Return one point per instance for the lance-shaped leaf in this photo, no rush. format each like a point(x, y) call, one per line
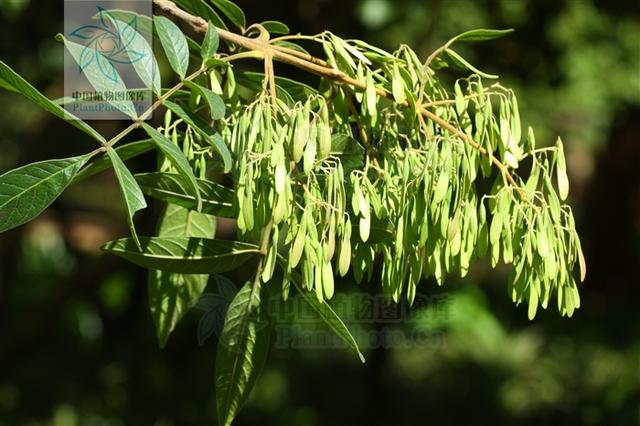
point(231, 11)
point(133, 197)
point(177, 159)
point(324, 311)
point(174, 44)
point(275, 27)
point(173, 188)
point(242, 350)
point(26, 191)
point(214, 102)
point(143, 23)
point(201, 8)
point(101, 74)
point(184, 255)
point(138, 50)
point(125, 152)
point(482, 34)
point(210, 43)
point(10, 80)
point(457, 61)
point(172, 295)
point(205, 131)
point(330, 318)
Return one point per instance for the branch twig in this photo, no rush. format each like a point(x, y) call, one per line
point(319, 67)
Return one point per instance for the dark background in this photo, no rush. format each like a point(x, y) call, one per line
point(77, 343)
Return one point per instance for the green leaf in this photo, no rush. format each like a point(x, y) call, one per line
point(184, 255)
point(26, 191)
point(231, 11)
point(457, 61)
point(177, 159)
point(172, 188)
point(172, 295)
point(144, 24)
point(138, 50)
point(210, 43)
point(482, 35)
point(174, 44)
point(351, 153)
point(202, 9)
point(133, 197)
point(275, 27)
point(101, 74)
point(125, 152)
point(331, 319)
point(215, 102)
point(206, 131)
point(10, 80)
point(242, 350)
point(324, 311)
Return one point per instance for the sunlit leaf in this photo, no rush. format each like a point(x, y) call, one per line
point(184, 255)
point(172, 295)
point(242, 350)
point(214, 102)
point(457, 61)
point(327, 315)
point(10, 80)
point(133, 197)
point(173, 188)
point(210, 43)
point(177, 159)
point(139, 51)
point(201, 8)
point(125, 152)
point(275, 27)
point(26, 191)
point(231, 11)
point(482, 35)
point(174, 44)
point(210, 135)
point(101, 74)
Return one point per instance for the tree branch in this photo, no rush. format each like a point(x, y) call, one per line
point(320, 68)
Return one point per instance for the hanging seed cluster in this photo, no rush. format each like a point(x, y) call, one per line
point(351, 178)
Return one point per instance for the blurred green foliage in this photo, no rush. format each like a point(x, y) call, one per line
point(77, 344)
